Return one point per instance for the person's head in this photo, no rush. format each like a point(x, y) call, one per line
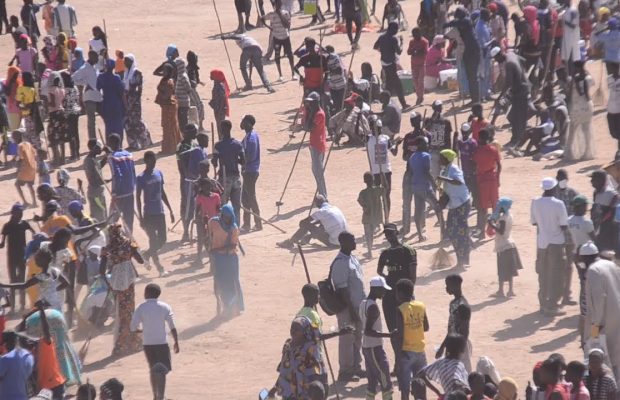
point(112, 389)
point(484, 136)
point(128, 61)
point(330, 49)
point(319, 200)
point(94, 252)
point(114, 141)
point(476, 110)
point(550, 372)
point(579, 205)
point(416, 33)
point(596, 359)
point(415, 119)
point(465, 130)
point(421, 143)
point(378, 287)
point(458, 394)
point(316, 390)
point(150, 159)
point(227, 215)
point(366, 70)
point(93, 57)
point(45, 193)
point(203, 168)
point(385, 96)
point(507, 389)
point(404, 290)
point(86, 391)
point(446, 156)
point(492, 8)
point(313, 101)
point(485, 14)
point(191, 130)
point(598, 179)
point(390, 231)
point(17, 136)
point(310, 293)
point(95, 147)
point(76, 209)
point(392, 28)
point(27, 79)
point(247, 122)
point(17, 212)
point(9, 340)
point(63, 177)
point(204, 186)
point(61, 39)
point(225, 128)
point(347, 242)
point(453, 284)
point(97, 32)
point(561, 175)
point(14, 21)
point(476, 384)
point(202, 139)
point(437, 107)
point(460, 12)
point(22, 41)
point(67, 81)
point(455, 346)
point(43, 257)
point(61, 238)
point(588, 254)
point(172, 52)
point(310, 44)
point(152, 291)
point(369, 179)
point(575, 371)
point(299, 328)
point(51, 207)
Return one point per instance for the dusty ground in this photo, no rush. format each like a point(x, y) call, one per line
point(235, 359)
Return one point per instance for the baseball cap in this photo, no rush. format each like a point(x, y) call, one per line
point(414, 115)
point(549, 183)
point(379, 281)
point(313, 96)
point(588, 249)
point(495, 51)
point(579, 200)
point(390, 227)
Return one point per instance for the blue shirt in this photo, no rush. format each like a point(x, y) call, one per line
point(196, 155)
point(458, 194)
point(611, 43)
point(251, 147)
point(420, 167)
point(483, 36)
point(227, 152)
point(123, 173)
point(152, 183)
point(15, 369)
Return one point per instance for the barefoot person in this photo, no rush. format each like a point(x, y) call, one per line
point(153, 315)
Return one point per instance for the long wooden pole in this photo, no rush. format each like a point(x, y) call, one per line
point(232, 71)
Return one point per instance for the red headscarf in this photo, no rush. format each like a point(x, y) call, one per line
point(530, 13)
point(72, 44)
point(11, 72)
point(218, 76)
point(492, 7)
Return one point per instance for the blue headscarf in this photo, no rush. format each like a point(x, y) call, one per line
point(170, 51)
point(227, 209)
point(503, 204)
point(35, 244)
point(612, 24)
point(78, 59)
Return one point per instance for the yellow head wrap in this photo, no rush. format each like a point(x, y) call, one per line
point(603, 11)
point(448, 154)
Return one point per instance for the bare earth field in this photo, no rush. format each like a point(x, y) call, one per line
point(235, 359)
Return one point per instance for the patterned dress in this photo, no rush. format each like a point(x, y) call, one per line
point(138, 135)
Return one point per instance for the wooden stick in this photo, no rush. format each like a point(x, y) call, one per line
point(263, 219)
point(232, 71)
point(279, 202)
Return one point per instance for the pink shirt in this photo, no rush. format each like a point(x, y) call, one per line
point(59, 96)
point(25, 59)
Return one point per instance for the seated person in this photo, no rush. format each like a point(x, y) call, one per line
point(435, 62)
point(350, 122)
point(534, 136)
point(324, 225)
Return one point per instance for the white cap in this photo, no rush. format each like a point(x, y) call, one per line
point(465, 127)
point(588, 249)
point(379, 123)
point(549, 183)
point(379, 281)
point(495, 51)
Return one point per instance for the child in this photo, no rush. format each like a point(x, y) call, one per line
point(25, 55)
point(208, 205)
point(466, 147)
point(412, 324)
point(377, 366)
point(15, 230)
point(477, 385)
point(43, 168)
point(56, 126)
point(575, 371)
point(476, 120)
point(370, 199)
point(26, 168)
point(508, 260)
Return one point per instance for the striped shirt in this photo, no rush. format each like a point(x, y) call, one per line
point(278, 27)
point(336, 78)
point(449, 372)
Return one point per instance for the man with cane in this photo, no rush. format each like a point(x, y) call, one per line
point(228, 154)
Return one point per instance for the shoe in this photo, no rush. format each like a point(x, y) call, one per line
point(163, 273)
point(554, 313)
point(347, 377)
point(271, 90)
point(280, 79)
point(287, 244)
point(258, 227)
point(361, 373)
point(247, 87)
point(569, 302)
point(245, 228)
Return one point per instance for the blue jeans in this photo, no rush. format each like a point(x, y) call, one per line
point(461, 77)
point(409, 365)
point(377, 369)
point(317, 170)
point(484, 74)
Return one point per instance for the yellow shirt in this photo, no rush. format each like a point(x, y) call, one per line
point(312, 315)
point(26, 96)
point(413, 330)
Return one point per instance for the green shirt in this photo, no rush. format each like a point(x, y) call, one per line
point(371, 202)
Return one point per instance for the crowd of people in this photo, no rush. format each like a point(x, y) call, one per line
point(540, 74)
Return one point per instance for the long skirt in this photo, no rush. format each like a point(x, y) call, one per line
point(171, 135)
point(458, 232)
point(138, 135)
point(125, 341)
point(508, 264)
point(227, 286)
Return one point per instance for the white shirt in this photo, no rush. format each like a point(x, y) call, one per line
point(64, 19)
point(332, 219)
point(87, 76)
point(370, 341)
point(244, 41)
point(153, 316)
point(3, 294)
point(613, 104)
point(580, 229)
point(278, 29)
point(549, 215)
point(378, 148)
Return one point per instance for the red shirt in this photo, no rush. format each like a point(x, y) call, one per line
point(318, 134)
point(210, 205)
point(486, 159)
point(417, 50)
point(476, 126)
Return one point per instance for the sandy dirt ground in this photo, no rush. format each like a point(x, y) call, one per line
point(235, 359)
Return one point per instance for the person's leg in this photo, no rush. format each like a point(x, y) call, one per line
point(125, 205)
point(317, 170)
point(394, 85)
point(303, 230)
point(20, 270)
point(372, 372)
point(91, 110)
point(277, 48)
point(58, 393)
point(160, 240)
point(434, 203)
point(319, 233)
point(20, 192)
point(345, 347)
point(557, 276)
point(288, 51)
point(419, 203)
point(405, 366)
point(245, 201)
point(566, 299)
point(358, 27)
point(407, 196)
point(471, 70)
point(540, 259)
point(253, 200)
point(417, 72)
point(349, 24)
point(337, 98)
point(368, 236)
point(257, 60)
point(243, 66)
point(235, 196)
point(586, 128)
point(337, 9)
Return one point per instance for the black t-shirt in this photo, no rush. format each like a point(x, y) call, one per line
point(349, 7)
point(15, 233)
point(439, 129)
point(401, 263)
point(388, 46)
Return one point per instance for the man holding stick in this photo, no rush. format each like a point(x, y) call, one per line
point(315, 123)
point(228, 153)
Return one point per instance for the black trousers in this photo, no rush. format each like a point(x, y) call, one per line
point(182, 114)
point(356, 18)
point(318, 232)
point(155, 227)
point(3, 17)
point(392, 83)
point(390, 312)
point(248, 198)
point(471, 70)
point(387, 185)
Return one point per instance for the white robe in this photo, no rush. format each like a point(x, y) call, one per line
point(570, 39)
point(603, 306)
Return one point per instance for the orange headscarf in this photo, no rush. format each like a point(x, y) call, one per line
point(11, 72)
point(218, 76)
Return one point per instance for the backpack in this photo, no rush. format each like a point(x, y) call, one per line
point(329, 300)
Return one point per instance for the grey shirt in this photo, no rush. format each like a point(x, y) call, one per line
point(92, 169)
point(347, 273)
point(391, 117)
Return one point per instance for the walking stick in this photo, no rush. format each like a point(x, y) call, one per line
point(232, 71)
point(279, 202)
point(456, 130)
point(262, 219)
point(329, 363)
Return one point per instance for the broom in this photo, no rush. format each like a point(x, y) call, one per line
point(441, 260)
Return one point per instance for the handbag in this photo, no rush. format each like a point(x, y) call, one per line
point(329, 300)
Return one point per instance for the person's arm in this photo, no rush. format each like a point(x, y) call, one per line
point(384, 17)
point(136, 320)
point(78, 230)
point(424, 376)
point(372, 314)
point(139, 201)
point(136, 255)
point(45, 326)
point(381, 264)
point(23, 285)
point(4, 239)
point(499, 170)
point(13, 60)
point(164, 198)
